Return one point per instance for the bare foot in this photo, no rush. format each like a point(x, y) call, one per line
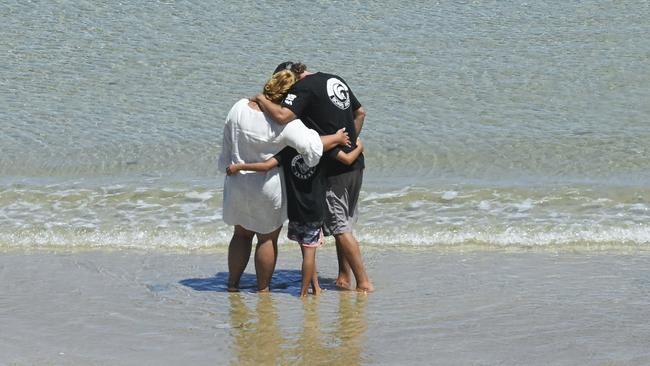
point(365, 287)
point(343, 283)
point(317, 290)
point(233, 287)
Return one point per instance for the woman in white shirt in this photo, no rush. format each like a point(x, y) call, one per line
point(254, 202)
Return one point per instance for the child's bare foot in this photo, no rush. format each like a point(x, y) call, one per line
point(317, 290)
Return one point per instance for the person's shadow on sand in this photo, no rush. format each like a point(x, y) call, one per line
point(283, 281)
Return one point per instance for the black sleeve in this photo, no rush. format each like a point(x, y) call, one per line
point(354, 102)
point(281, 156)
point(297, 100)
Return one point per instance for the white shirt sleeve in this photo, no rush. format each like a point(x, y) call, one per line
point(306, 141)
point(225, 157)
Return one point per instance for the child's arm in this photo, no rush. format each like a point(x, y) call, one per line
point(339, 138)
point(349, 158)
point(264, 166)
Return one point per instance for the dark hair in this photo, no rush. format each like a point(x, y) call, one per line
point(295, 67)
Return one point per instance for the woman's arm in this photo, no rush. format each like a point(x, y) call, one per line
point(349, 158)
point(339, 138)
point(264, 166)
point(225, 156)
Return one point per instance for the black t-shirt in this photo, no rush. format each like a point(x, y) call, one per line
point(305, 187)
point(325, 103)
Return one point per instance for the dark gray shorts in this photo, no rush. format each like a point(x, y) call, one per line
point(342, 196)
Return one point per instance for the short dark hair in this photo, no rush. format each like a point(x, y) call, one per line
point(295, 67)
point(284, 66)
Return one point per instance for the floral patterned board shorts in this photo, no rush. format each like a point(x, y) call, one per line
point(307, 234)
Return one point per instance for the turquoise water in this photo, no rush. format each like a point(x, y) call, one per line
point(490, 124)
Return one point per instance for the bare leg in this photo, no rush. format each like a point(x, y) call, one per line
point(315, 286)
point(344, 279)
point(352, 253)
point(308, 270)
point(266, 255)
point(239, 251)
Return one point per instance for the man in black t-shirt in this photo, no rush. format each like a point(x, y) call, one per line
point(325, 103)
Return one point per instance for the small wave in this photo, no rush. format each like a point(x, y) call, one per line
point(199, 196)
point(113, 240)
point(511, 238)
point(189, 217)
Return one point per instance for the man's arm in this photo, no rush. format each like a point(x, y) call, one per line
point(349, 158)
point(264, 166)
point(280, 114)
point(359, 117)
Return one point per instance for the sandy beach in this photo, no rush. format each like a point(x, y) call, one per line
point(430, 307)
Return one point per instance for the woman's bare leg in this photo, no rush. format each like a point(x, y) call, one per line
point(266, 255)
point(239, 252)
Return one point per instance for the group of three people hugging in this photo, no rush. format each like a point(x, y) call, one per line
point(293, 152)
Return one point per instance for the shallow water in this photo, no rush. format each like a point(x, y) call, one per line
point(443, 308)
point(490, 124)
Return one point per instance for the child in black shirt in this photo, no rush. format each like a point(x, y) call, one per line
point(306, 206)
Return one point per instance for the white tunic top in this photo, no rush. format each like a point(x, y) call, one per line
point(256, 200)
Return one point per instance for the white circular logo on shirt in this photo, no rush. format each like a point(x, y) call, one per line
point(339, 93)
point(300, 169)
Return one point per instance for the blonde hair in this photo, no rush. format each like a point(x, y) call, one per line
point(277, 87)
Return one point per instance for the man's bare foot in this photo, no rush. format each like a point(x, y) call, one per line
point(343, 286)
point(365, 287)
point(343, 282)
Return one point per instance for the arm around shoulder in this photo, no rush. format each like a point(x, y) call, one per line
point(280, 114)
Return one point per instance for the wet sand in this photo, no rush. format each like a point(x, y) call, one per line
point(430, 307)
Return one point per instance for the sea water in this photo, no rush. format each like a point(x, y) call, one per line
point(491, 124)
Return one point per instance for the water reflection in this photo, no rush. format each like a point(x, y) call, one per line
point(351, 328)
point(257, 337)
point(264, 336)
point(310, 346)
